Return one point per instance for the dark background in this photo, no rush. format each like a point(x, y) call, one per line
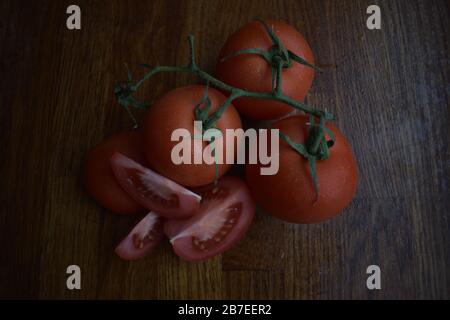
point(389, 89)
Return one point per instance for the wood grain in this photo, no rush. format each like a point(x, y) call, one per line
point(389, 88)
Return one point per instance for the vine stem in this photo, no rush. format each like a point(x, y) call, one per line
point(317, 138)
point(276, 95)
point(279, 86)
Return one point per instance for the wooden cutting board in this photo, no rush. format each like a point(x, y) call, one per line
point(389, 89)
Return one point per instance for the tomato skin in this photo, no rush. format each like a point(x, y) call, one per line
point(175, 110)
point(173, 226)
point(252, 72)
point(289, 194)
point(99, 179)
point(227, 207)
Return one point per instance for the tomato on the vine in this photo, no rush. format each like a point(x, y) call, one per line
point(225, 214)
point(250, 71)
point(99, 179)
point(176, 110)
point(290, 194)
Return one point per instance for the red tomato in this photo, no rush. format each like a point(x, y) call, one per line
point(142, 239)
point(225, 214)
point(290, 194)
point(153, 191)
point(98, 176)
point(252, 72)
point(175, 110)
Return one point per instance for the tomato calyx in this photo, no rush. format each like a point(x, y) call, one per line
point(279, 54)
point(202, 111)
point(278, 57)
point(316, 146)
point(276, 54)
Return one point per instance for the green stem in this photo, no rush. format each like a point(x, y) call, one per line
point(211, 122)
point(192, 63)
point(316, 137)
point(194, 69)
point(279, 85)
point(158, 69)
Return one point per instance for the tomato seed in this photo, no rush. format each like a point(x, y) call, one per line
point(233, 210)
point(136, 240)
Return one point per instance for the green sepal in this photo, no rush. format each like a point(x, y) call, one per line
point(276, 41)
point(301, 149)
point(302, 61)
point(201, 114)
point(264, 54)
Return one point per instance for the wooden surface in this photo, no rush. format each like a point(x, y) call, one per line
point(388, 87)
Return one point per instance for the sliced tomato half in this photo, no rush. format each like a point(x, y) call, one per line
point(145, 236)
point(153, 191)
point(225, 214)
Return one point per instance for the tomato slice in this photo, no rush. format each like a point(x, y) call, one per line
point(225, 214)
point(141, 240)
point(174, 226)
point(153, 191)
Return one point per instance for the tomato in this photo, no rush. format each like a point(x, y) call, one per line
point(142, 239)
point(290, 194)
point(254, 73)
point(225, 214)
point(175, 110)
point(153, 191)
point(98, 176)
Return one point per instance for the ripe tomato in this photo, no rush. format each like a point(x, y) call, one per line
point(252, 72)
point(225, 214)
point(142, 239)
point(98, 176)
point(153, 191)
point(175, 110)
point(290, 194)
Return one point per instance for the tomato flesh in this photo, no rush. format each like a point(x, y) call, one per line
point(153, 191)
point(224, 216)
point(142, 239)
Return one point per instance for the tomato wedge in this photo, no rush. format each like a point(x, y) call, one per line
point(153, 191)
point(225, 214)
point(145, 236)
